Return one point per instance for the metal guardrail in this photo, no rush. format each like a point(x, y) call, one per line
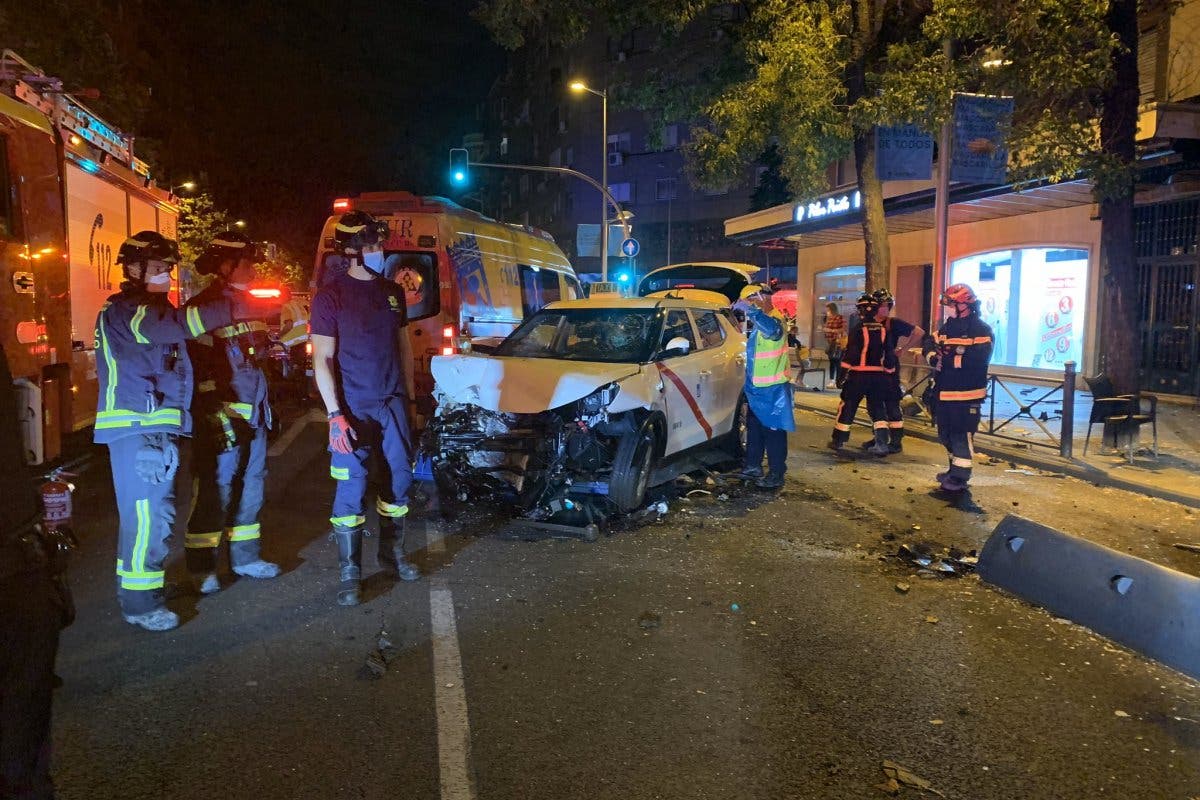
point(1063, 441)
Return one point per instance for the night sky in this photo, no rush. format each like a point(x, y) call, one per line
point(279, 107)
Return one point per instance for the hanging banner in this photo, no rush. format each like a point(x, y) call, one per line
point(903, 153)
point(980, 149)
point(587, 240)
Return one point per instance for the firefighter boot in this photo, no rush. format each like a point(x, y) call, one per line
point(349, 545)
point(896, 440)
point(880, 448)
point(839, 439)
point(391, 549)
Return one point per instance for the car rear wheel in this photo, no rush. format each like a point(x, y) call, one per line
point(632, 467)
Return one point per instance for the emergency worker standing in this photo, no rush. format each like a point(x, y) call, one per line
point(896, 332)
point(362, 362)
point(866, 367)
point(768, 389)
point(960, 353)
point(232, 415)
point(145, 379)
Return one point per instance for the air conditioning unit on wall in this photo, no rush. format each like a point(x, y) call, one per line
point(616, 159)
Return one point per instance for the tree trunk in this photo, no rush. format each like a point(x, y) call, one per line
point(1120, 339)
point(866, 19)
point(874, 223)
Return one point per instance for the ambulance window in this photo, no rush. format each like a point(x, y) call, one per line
point(6, 226)
point(417, 274)
point(333, 265)
point(574, 290)
point(538, 288)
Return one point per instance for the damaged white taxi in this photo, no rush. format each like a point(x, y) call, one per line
point(584, 400)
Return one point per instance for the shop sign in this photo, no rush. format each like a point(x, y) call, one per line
point(828, 206)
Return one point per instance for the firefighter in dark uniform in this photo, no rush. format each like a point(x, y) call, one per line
point(866, 368)
point(362, 363)
point(33, 608)
point(896, 332)
point(960, 353)
point(145, 379)
point(232, 416)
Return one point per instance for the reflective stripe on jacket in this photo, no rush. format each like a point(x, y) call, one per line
point(867, 351)
point(768, 361)
point(144, 374)
point(229, 382)
point(964, 349)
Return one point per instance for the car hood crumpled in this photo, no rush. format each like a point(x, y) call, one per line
point(521, 385)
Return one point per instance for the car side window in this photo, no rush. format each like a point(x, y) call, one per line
point(678, 324)
point(709, 327)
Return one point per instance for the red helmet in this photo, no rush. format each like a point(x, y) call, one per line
point(959, 293)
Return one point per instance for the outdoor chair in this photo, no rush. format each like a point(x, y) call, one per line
point(816, 362)
point(1120, 413)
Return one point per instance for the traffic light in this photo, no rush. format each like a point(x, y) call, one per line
point(459, 166)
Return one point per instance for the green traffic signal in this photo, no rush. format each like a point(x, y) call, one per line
point(459, 166)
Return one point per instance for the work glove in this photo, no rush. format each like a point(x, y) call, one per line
point(341, 435)
point(157, 460)
point(841, 378)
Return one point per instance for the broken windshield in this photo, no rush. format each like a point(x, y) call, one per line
point(608, 335)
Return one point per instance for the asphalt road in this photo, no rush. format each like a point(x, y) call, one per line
point(754, 647)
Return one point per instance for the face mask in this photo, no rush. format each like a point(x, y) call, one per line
point(159, 282)
point(373, 262)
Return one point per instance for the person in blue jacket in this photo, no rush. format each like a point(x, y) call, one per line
point(232, 416)
point(768, 390)
point(145, 383)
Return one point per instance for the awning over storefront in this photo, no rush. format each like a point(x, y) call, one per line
point(839, 215)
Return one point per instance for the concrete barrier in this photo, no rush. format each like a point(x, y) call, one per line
point(1149, 608)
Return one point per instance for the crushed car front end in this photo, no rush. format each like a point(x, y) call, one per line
point(534, 464)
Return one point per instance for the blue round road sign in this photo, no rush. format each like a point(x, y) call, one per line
point(630, 247)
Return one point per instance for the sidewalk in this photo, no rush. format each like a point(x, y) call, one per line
point(1174, 475)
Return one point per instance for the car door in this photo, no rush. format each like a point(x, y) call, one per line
point(721, 371)
point(684, 387)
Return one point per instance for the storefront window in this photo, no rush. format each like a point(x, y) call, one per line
point(842, 286)
point(1034, 298)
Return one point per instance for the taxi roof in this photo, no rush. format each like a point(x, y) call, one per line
point(636, 302)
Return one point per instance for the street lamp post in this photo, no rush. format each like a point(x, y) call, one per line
point(580, 86)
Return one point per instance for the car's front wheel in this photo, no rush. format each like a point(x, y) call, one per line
point(632, 467)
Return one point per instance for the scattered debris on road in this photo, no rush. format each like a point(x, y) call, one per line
point(944, 561)
point(1191, 548)
point(648, 620)
point(903, 587)
point(898, 776)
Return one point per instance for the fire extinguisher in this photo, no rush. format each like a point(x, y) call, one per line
point(56, 501)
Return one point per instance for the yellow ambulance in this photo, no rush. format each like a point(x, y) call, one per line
point(468, 279)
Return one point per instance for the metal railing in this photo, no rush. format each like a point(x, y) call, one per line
point(1052, 394)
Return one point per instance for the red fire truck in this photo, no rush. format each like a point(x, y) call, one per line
point(71, 190)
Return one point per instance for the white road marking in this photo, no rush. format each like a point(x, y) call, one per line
point(450, 697)
point(284, 442)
